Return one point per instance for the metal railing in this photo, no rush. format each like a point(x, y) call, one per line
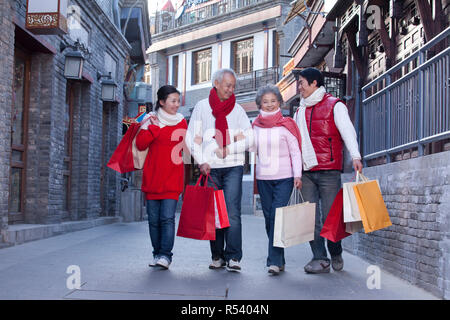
point(411, 111)
point(249, 82)
point(165, 21)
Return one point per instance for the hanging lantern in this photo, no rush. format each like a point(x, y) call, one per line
point(47, 16)
point(73, 67)
point(109, 88)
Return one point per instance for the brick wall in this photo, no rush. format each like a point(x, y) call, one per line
point(417, 245)
point(47, 117)
point(6, 61)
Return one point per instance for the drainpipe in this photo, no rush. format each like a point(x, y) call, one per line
point(116, 13)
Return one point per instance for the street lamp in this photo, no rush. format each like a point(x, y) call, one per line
point(73, 68)
point(141, 91)
point(109, 87)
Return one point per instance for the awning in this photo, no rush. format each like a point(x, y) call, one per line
point(297, 8)
point(31, 41)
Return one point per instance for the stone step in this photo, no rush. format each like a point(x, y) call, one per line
point(21, 233)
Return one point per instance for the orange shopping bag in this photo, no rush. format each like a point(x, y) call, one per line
point(373, 211)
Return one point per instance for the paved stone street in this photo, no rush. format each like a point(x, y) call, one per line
point(113, 260)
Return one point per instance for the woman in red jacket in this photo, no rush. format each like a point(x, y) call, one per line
point(163, 175)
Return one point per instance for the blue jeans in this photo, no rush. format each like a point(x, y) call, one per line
point(274, 194)
point(322, 186)
point(228, 243)
point(161, 225)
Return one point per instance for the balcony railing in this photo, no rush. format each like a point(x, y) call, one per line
point(413, 110)
point(249, 82)
point(165, 21)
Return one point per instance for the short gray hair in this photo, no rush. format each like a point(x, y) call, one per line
point(218, 75)
point(270, 88)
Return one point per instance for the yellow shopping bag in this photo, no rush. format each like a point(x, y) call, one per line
point(373, 211)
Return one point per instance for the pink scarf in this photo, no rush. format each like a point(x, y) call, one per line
point(277, 120)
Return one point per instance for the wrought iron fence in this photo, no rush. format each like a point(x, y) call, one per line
point(248, 82)
point(413, 110)
point(165, 21)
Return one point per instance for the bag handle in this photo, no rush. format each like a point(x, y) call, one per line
point(361, 177)
point(206, 181)
point(293, 193)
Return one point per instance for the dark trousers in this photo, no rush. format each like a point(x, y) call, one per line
point(321, 187)
point(161, 225)
point(274, 194)
point(228, 243)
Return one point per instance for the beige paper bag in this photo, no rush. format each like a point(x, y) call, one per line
point(294, 224)
point(351, 209)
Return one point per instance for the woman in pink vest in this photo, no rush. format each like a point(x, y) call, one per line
point(278, 165)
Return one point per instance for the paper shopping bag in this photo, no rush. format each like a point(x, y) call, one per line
point(122, 158)
point(294, 224)
point(374, 214)
point(138, 155)
point(197, 219)
point(220, 210)
point(352, 227)
point(351, 209)
point(127, 157)
point(334, 227)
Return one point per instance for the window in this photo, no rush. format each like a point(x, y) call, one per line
point(175, 71)
point(243, 56)
point(202, 65)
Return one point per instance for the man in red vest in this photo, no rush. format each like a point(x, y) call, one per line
point(325, 127)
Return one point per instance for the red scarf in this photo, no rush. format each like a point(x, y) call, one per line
point(277, 120)
point(220, 109)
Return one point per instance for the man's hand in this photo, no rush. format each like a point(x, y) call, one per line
point(222, 152)
point(240, 136)
point(298, 183)
point(198, 140)
point(357, 165)
point(205, 169)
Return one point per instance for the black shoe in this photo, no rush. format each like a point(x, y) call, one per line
point(337, 263)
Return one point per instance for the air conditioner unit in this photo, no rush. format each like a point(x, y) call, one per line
point(372, 55)
point(403, 31)
point(380, 48)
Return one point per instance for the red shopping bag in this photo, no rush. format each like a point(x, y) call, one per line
point(197, 218)
point(334, 226)
point(220, 210)
point(122, 158)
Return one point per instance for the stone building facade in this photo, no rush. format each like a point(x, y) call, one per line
point(393, 86)
point(246, 36)
point(57, 134)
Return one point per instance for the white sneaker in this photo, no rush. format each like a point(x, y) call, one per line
point(233, 265)
point(153, 262)
point(217, 264)
point(163, 262)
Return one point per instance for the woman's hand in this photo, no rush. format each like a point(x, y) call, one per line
point(298, 183)
point(154, 120)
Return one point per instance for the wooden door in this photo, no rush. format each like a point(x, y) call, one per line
point(19, 134)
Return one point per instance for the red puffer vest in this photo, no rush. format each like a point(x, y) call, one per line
point(325, 136)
